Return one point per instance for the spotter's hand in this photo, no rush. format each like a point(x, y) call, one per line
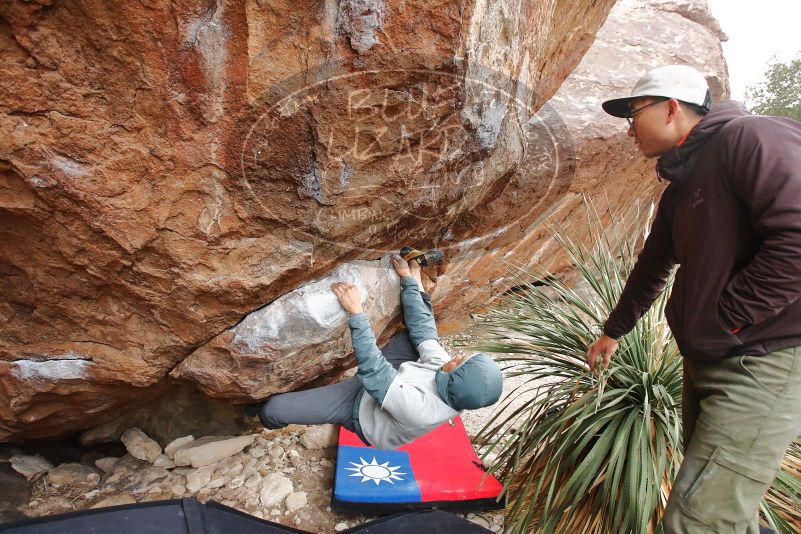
point(348, 295)
point(604, 346)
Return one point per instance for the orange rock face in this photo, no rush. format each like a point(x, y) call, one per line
point(165, 171)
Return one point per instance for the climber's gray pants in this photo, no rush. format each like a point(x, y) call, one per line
point(330, 404)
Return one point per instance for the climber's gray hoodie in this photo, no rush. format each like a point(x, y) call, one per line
point(400, 405)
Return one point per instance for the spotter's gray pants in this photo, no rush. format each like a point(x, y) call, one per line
point(334, 403)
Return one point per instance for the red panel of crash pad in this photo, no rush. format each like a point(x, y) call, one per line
point(445, 465)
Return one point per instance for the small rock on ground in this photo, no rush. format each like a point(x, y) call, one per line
point(72, 473)
point(274, 489)
point(30, 466)
point(320, 437)
point(296, 501)
point(140, 445)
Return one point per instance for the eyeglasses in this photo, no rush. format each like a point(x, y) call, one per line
point(630, 118)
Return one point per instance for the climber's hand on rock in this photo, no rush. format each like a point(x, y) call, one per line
point(401, 266)
point(348, 295)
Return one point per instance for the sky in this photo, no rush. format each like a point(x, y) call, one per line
point(757, 31)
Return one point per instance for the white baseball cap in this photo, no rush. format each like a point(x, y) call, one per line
point(672, 81)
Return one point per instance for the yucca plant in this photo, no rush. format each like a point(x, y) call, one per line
point(590, 451)
point(782, 505)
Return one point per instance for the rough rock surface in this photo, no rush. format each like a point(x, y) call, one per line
point(115, 500)
point(295, 501)
point(158, 181)
point(290, 341)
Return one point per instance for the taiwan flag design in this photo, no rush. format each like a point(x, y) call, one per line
point(440, 469)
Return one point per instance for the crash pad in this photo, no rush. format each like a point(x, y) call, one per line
point(189, 516)
point(419, 522)
point(438, 470)
point(175, 516)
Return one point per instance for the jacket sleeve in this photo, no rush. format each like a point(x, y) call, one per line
point(417, 315)
point(375, 372)
point(648, 277)
point(762, 157)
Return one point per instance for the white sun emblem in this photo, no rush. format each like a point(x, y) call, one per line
point(374, 471)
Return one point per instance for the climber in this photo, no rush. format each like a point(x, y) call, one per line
point(402, 391)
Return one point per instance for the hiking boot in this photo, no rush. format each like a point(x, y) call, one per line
point(252, 411)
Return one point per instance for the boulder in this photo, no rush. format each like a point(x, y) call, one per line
point(180, 226)
point(602, 164)
point(170, 169)
point(211, 449)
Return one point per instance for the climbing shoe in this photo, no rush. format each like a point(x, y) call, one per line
point(252, 410)
point(424, 258)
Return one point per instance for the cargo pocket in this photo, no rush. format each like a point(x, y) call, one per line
point(728, 489)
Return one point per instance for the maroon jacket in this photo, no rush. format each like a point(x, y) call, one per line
point(731, 218)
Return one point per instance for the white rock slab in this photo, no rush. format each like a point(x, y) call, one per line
point(211, 449)
point(176, 444)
